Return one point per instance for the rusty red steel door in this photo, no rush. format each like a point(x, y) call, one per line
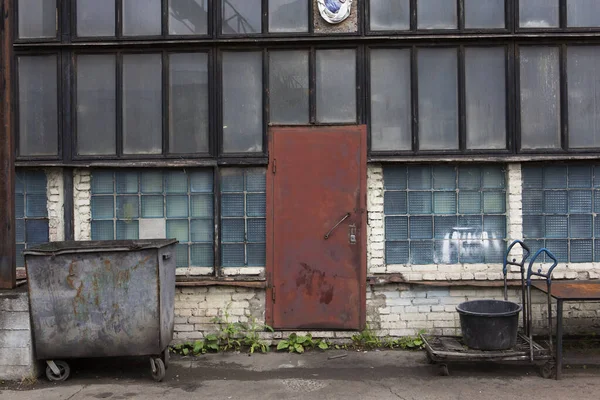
point(316, 228)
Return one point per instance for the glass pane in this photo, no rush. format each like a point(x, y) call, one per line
point(389, 15)
point(188, 108)
point(181, 256)
point(396, 228)
point(178, 229)
point(256, 255)
point(201, 181)
point(102, 182)
point(582, 250)
point(437, 14)
point(152, 182)
point(438, 99)
point(19, 206)
point(176, 182)
point(494, 202)
point(493, 178)
point(446, 252)
point(142, 104)
point(419, 177)
point(233, 230)
point(20, 230)
point(202, 205)
point(396, 253)
point(202, 255)
point(36, 205)
point(421, 252)
point(421, 227)
point(444, 202)
point(581, 226)
point(142, 17)
point(540, 98)
point(485, 87)
point(555, 202)
point(232, 180)
point(103, 230)
point(394, 177)
point(538, 13)
point(95, 18)
point(127, 230)
point(256, 180)
point(555, 177)
point(533, 202)
point(557, 226)
point(35, 182)
point(533, 226)
point(336, 85)
point(201, 230)
point(103, 207)
point(580, 176)
point(390, 100)
point(444, 227)
point(469, 177)
point(583, 13)
point(188, 17)
point(152, 207)
point(37, 19)
point(127, 182)
point(288, 87)
point(177, 206)
point(241, 16)
point(583, 77)
point(444, 177)
point(96, 104)
point(486, 14)
point(232, 205)
point(242, 102)
point(469, 202)
point(128, 207)
point(395, 203)
point(36, 231)
point(257, 230)
point(580, 201)
point(419, 203)
point(494, 226)
point(38, 111)
point(533, 177)
point(233, 255)
point(256, 205)
point(288, 16)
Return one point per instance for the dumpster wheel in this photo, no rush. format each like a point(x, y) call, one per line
point(63, 371)
point(158, 369)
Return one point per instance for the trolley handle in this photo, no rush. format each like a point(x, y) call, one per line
point(547, 275)
point(507, 261)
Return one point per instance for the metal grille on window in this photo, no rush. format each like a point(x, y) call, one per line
point(560, 206)
point(157, 204)
point(31, 212)
point(444, 214)
point(243, 212)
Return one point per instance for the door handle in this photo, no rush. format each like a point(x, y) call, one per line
point(345, 217)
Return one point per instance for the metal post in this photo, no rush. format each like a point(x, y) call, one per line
point(8, 271)
point(559, 338)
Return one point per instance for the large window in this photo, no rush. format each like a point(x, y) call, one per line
point(31, 211)
point(560, 206)
point(444, 214)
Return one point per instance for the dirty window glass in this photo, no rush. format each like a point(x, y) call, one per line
point(484, 14)
point(438, 99)
point(38, 110)
point(36, 19)
point(389, 15)
point(188, 96)
point(485, 87)
point(288, 16)
point(583, 13)
point(241, 17)
point(31, 213)
point(336, 85)
point(142, 104)
point(560, 206)
point(583, 77)
point(95, 18)
point(142, 17)
point(390, 100)
point(437, 14)
point(96, 104)
point(242, 102)
point(188, 17)
point(444, 214)
point(540, 98)
point(288, 87)
point(538, 13)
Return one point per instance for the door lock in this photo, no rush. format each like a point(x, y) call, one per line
point(352, 234)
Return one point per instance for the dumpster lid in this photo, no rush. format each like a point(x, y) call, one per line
point(90, 246)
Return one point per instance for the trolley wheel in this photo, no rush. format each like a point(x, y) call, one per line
point(548, 370)
point(444, 370)
point(166, 356)
point(158, 369)
point(430, 359)
point(64, 373)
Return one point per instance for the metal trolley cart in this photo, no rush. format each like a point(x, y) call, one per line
point(442, 350)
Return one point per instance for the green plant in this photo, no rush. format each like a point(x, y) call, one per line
point(366, 339)
point(298, 344)
point(406, 342)
point(252, 336)
point(210, 343)
point(230, 333)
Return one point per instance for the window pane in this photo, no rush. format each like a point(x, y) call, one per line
point(485, 87)
point(188, 94)
point(242, 102)
point(583, 77)
point(390, 100)
point(241, 16)
point(288, 87)
point(188, 17)
point(438, 99)
point(436, 14)
point(142, 17)
point(95, 18)
point(142, 104)
point(37, 19)
point(538, 13)
point(38, 113)
point(389, 15)
point(583, 13)
point(336, 85)
point(540, 98)
point(288, 16)
point(484, 14)
point(96, 104)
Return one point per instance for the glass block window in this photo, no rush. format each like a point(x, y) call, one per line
point(243, 212)
point(560, 206)
point(155, 204)
point(444, 214)
point(31, 212)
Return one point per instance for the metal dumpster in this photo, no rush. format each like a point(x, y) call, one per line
point(102, 299)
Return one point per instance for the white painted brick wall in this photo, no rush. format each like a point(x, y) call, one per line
point(81, 201)
point(375, 227)
point(55, 204)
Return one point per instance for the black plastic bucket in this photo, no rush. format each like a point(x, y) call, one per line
point(489, 324)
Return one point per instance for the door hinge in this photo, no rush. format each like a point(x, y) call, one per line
point(273, 294)
point(274, 166)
